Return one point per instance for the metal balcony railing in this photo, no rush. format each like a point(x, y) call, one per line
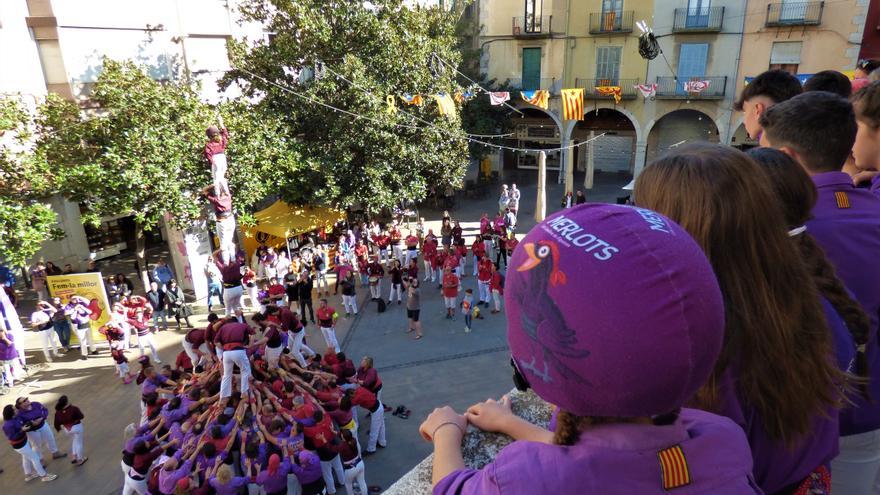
point(698, 20)
point(627, 88)
point(551, 84)
point(612, 22)
point(532, 25)
point(691, 88)
point(794, 14)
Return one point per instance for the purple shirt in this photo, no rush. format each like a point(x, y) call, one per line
point(36, 413)
point(151, 384)
point(777, 465)
point(129, 445)
point(168, 479)
point(230, 488)
point(174, 415)
point(618, 458)
point(12, 430)
point(78, 313)
point(272, 483)
point(311, 472)
point(846, 223)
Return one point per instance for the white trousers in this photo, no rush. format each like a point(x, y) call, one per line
point(856, 470)
point(232, 299)
point(397, 253)
point(218, 173)
point(296, 346)
point(321, 280)
point(272, 355)
point(476, 265)
point(85, 340)
point(490, 248)
point(190, 351)
point(411, 254)
point(429, 271)
point(148, 341)
point(395, 288)
point(122, 369)
point(42, 439)
point(226, 231)
point(496, 296)
point(253, 295)
point(327, 469)
point(231, 358)
point(377, 428)
point(49, 338)
point(131, 486)
point(383, 255)
point(76, 440)
point(330, 338)
point(30, 461)
point(376, 290)
point(355, 473)
point(484, 290)
point(350, 303)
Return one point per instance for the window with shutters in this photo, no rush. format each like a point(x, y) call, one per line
point(691, 64)
point(608, 65)
point(786, 55)
point(531, 68)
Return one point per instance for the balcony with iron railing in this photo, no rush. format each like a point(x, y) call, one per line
point(532, 26)
point(612, 22)
point(627, 88)
point(691, 88)
point(551, 84)
point(794, 14)
point(698, 20)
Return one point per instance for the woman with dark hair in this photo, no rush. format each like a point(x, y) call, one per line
point(176, 301)
point(16, 432)
point(446, 232)
point(124, 284)
point(775, 376)
point(52, 269)
point(69, 417)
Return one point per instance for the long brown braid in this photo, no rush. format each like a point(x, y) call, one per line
point(833, 289)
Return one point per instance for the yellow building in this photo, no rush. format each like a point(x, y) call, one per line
point(555, 44)
point(800, 37)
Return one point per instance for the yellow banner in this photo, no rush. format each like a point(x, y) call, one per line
point(86, 285)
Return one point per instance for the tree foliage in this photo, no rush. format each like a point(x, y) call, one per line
point(377, 49)
point(25, 222)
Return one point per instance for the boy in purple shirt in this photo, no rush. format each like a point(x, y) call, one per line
point(619, 374)
point(818, 130)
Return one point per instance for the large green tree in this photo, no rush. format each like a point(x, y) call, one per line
point(359, 53)
point(25, 221)
point(139, 151)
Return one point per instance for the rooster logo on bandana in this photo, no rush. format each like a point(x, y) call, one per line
point(540, 318)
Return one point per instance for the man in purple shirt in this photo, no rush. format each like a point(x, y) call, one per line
point(818, 130)
point(39, 434)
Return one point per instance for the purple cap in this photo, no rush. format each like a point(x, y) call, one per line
point(613, 311)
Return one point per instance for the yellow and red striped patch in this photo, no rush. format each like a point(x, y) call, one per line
point(842, 199)
point(674, 467)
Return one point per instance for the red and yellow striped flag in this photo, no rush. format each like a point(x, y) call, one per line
point(674, 468)
point(842, 199)
point(573, 104)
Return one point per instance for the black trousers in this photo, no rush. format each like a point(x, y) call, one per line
point(302, 310)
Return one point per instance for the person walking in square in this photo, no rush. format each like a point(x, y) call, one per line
point(413, 305)
point(450, 292)
point(375, 272)
point(349, 295)
point(305, 297)
point(467, 306)
point(157, 298)
point(69, 418)
point(396, 276)
point(327, 317)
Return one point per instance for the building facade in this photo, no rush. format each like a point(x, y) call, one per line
point(709, 48)
point(58, 46)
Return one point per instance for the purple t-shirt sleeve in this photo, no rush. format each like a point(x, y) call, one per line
point(469, 481)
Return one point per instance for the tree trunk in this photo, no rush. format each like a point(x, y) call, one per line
point(140, 252)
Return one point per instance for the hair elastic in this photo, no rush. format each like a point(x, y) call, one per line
point(797, 231)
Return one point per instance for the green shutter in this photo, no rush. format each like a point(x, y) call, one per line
point(531, 69)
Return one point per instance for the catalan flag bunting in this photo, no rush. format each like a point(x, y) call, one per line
point(392, 106)
point(573, 104)
point(647, 90)
point(498, 97)
point(674, 468)
point(445, 104)
point(610, 91)
point(538, 97)
point(463, 97)
point(412, 99)
point(696, 86)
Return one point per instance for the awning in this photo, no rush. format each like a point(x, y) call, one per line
point(281, 220)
